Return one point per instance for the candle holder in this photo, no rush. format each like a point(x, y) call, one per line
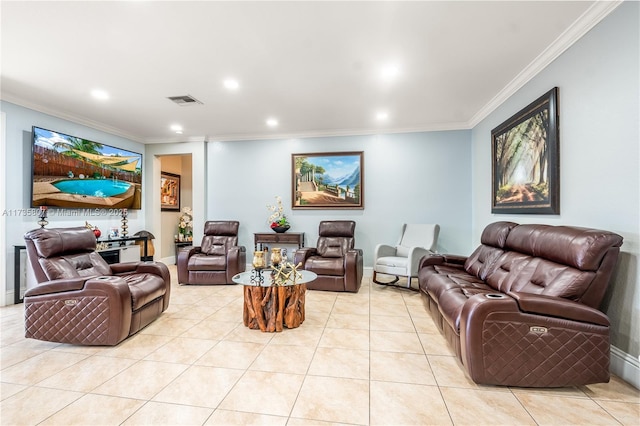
point(43, 217)
point(124, 225)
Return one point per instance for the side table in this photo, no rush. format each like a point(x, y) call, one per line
point(274, 237)
point(270, 307)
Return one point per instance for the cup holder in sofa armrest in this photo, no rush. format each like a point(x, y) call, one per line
point(110, 279)
point(495, 296)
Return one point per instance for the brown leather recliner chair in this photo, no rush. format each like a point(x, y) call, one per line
point(82, 300)
point(335, 260)
point(217, 259)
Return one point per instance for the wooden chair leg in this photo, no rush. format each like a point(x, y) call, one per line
point(381, 283)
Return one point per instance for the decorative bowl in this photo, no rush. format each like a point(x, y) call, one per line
point(281, 229)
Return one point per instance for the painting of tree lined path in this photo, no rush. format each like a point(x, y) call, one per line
point(522, 163)
point(525, 159)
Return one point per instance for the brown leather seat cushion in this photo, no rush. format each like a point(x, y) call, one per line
point(325, 265)
point(203, 262)
point(144, 288)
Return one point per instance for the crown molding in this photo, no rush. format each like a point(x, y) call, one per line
point(340, 132)
point(184, 139)
point(70, 117)
point(589, 19)
point(311, 134)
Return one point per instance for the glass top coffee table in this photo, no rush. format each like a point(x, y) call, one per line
point(273, 301)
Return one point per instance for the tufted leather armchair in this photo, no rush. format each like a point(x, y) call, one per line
point(335, 260)
point(82, 300)
point(217, 259)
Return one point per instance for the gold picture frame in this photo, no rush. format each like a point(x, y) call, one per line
point(327, 180)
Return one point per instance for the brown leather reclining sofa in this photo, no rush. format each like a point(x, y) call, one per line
point(522, 310)
point(82, 300)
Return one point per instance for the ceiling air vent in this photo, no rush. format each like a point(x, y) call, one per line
point(185, 100)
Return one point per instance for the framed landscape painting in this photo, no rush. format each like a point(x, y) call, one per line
point(169, 192)
point(329, 180)
point(525, 154)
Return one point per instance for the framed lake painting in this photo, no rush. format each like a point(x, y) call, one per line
point(526, 163)
point(328, 180)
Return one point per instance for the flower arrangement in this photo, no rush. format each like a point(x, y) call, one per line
point(185, 223)
point(277, 218)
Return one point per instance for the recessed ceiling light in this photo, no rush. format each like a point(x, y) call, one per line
point(231, 84)
point(272, 122)
point(382, 116)
point(389, 72)
point(100, 94)
point(176, 128)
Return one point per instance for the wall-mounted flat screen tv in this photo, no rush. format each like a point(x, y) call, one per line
point(71, 172)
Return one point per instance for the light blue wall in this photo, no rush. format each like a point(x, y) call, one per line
point(442, 177)
point(17, 172)
point(408, 178)
point(599, 153)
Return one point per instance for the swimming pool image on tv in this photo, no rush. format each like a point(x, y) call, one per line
point(73, 172)
point(92, 187)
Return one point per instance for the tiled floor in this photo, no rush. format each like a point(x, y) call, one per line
point(369, 358)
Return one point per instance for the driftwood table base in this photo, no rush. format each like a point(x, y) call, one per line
point(272, 308)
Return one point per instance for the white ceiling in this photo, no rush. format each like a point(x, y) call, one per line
point(315, 66)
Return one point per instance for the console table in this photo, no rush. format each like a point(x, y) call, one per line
point(274, 237)
point(112, 254)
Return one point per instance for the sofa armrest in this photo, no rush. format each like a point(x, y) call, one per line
point(454, 259)
point(431, 259)
point(501, 345)
point(558, 307)
point(441, 259)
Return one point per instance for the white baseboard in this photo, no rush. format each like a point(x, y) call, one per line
point(625, 366)
point(8, 297)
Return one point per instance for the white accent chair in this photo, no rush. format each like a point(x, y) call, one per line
point(416, 241)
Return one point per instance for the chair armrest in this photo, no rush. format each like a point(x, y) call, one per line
point(353, 269)
point(151, 267)
point(102, 306)
point(302, 254)
point(558, 307)
point(383, 250)
point(57, 286)
point(182, 261)
point(415, 256)
point(236, 261)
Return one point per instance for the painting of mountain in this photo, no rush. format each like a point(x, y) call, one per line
point(327, 181)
